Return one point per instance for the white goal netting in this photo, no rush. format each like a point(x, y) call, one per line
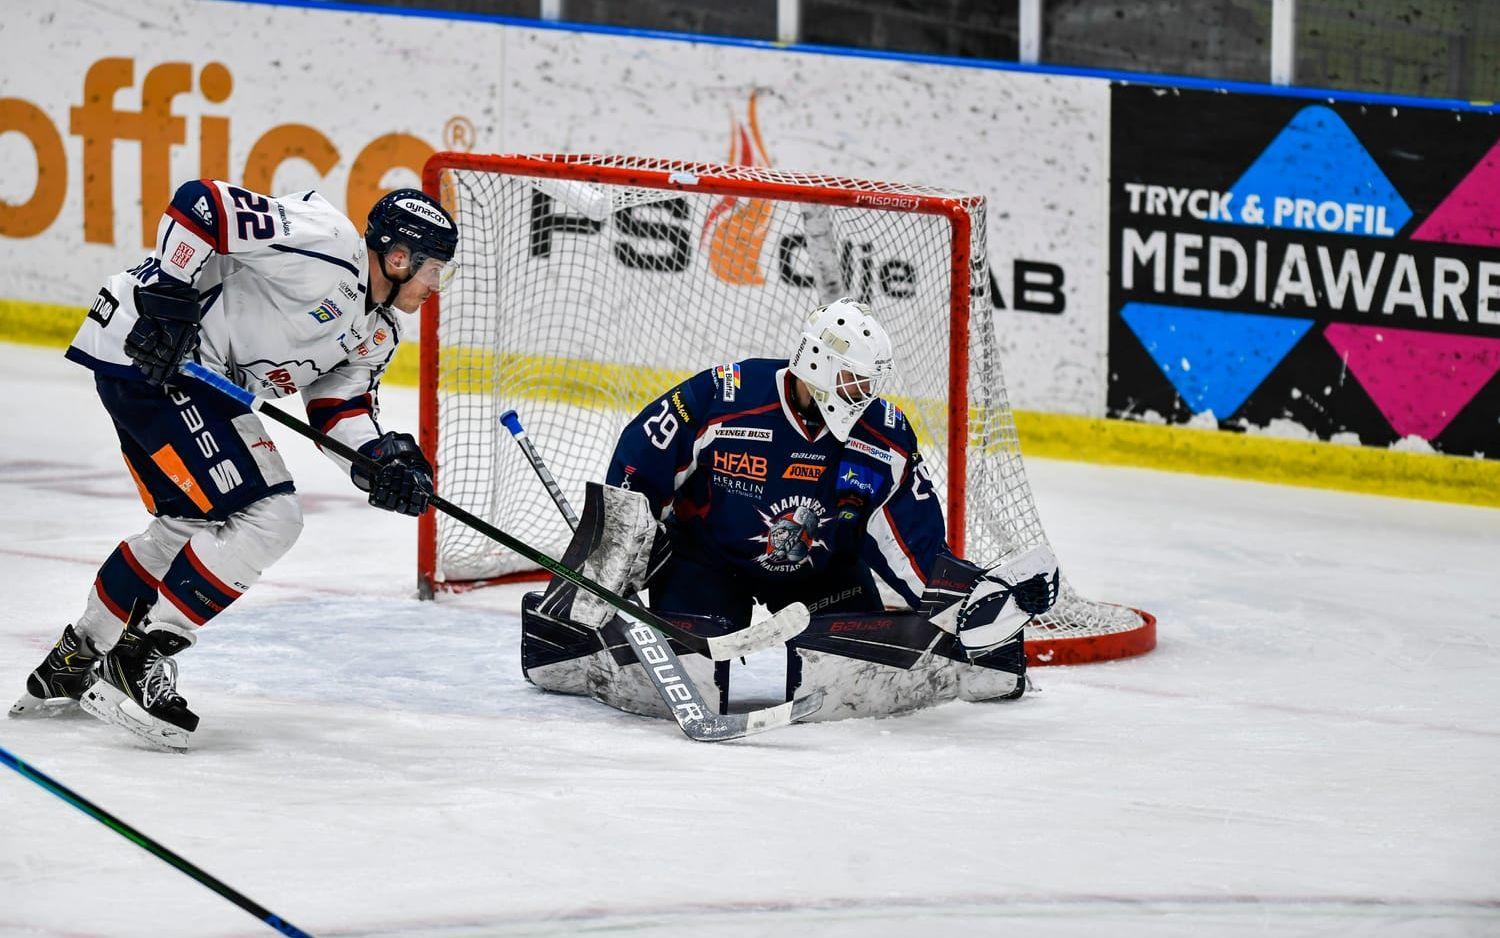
point(588, 285)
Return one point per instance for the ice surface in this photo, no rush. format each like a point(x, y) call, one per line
point(1313, 748)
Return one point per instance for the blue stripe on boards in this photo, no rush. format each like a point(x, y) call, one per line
point(1134, 78)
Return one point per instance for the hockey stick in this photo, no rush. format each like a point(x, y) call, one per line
point(151, 846)
point(771, 632)
point(658, 660)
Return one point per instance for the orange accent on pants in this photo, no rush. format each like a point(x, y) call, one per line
point(169, 462)
point(140, 486)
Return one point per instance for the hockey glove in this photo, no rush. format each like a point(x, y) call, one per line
point(404, 480)
point(166, 328)
point(1006, 598)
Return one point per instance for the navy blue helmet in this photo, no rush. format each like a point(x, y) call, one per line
point(415, 219)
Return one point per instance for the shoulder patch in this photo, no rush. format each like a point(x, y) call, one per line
point(727, 381)
point(893, 416)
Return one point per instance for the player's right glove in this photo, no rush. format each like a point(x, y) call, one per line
point(166, 328)
point(404, 480)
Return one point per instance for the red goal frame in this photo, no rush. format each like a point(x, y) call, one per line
point(1041, 649)
point(835, 191)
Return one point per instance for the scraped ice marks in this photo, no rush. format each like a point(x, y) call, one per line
point(1419, 381)
point(1215, 360)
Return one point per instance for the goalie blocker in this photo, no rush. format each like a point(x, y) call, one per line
point(966, 642)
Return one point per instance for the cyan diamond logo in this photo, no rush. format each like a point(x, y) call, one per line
point(1317, 176)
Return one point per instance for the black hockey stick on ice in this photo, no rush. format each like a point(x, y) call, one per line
point(146, 843)
point(763, 635)
point(657, 659)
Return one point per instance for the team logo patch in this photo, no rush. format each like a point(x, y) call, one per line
point(201, 209)
point(326, 312)
point(803, 472)
point(793, 526)
point(728, 377)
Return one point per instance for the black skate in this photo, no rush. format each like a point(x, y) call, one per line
point(136, 688)
point(58, 682)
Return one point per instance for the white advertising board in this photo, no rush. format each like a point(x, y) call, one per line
point(104, 109)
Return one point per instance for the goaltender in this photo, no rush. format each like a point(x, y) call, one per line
point(779, 481)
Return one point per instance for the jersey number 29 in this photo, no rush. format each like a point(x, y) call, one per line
point(661, 428)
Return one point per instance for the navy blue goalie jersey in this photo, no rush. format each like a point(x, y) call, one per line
point(742, 481)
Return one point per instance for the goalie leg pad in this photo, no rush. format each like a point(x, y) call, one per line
point(872, 665)
point(612, 546)
point(569, 657)
point(617, 678)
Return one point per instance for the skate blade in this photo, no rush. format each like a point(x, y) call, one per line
point(110, 704)
point(29, 707)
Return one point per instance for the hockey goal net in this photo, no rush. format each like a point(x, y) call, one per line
point(590, 284)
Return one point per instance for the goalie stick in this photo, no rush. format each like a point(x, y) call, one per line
point(146, 843)
point(658, 660)
point(766, 634)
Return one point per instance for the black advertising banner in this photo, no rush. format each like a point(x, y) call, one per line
point(1306, 267)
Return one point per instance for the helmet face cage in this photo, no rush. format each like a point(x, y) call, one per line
point(845, 360)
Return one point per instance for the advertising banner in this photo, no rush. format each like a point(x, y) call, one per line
point(1312, 269)
point(104, 110)
point(106, 107)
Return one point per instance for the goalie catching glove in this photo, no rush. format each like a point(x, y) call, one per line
point(404, 480)
point(988, 608)
point(166, 328)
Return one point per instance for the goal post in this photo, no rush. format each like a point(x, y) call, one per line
point(588, 285)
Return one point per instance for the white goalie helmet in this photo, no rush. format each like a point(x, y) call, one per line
point(845, 359)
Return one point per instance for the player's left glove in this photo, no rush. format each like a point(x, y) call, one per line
point(404, 480)
point(166, 328)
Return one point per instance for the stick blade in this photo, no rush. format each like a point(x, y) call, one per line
point(729, 726)
point(767, 633)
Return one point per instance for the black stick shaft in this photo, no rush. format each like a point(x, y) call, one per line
point(635, 610)
point(146, 843)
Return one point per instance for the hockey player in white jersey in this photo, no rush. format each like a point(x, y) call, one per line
point(279, 295)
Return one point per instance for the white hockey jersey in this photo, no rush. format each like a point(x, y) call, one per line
point(283, 282)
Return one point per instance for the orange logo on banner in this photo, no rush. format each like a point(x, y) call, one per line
point(154, 126)
point(736, 229)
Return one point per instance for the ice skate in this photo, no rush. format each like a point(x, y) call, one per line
point(56, 684)
point(136, 688)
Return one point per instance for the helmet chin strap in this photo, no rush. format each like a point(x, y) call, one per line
point(396, 285)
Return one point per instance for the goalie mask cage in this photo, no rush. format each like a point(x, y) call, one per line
point(589, 285)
